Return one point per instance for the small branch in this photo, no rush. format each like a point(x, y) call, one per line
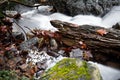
point(20, 28)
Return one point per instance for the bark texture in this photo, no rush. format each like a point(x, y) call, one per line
point(105, 48)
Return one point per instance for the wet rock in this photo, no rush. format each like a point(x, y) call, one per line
point(41, 65)
point(84, 7)
point(52, 53)
point(18, 35)
point(53, 44)
point(72, 69)
point(29, 44)
point(76, 53)
point(60, 5)
point(61, 52)
point(39, 73)
point(75, 7)
point(116, 26)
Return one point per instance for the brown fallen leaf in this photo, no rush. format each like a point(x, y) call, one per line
point(102, 31)
point(23, 67)
point(82, 45)
point(35, 68)
point(32, 71)
point(11, 64)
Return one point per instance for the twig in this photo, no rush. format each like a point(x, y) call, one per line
point(25, 34)
point(28, 28)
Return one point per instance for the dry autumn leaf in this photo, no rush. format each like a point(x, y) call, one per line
point(101, 31)
point(82, 45)
point(32, 71)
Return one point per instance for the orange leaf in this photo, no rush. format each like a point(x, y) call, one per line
point(32, 71)
point(82, 45)
point(101, 32)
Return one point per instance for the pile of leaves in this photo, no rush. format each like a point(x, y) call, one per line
point(12, 59)
point(54, 42)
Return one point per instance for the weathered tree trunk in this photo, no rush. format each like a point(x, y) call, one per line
point(104, 47)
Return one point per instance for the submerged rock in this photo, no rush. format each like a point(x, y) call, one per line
point(72, 69)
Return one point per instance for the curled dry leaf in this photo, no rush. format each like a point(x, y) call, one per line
point(45, 33)
point(3, 28)
point(82, 45)
point(87, 55)
point(102, 31)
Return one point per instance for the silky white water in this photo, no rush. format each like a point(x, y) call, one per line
point(40, 19)
point(112, 17)
point(108, 73)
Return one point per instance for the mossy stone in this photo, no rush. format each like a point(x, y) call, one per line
point(70, 69)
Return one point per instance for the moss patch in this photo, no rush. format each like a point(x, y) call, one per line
point(68, 69)
point(11, 75)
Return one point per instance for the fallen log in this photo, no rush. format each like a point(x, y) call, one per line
point(103, 43)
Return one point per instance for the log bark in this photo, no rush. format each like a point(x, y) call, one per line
point(105, 48)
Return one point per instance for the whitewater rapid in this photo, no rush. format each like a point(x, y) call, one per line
point(40, 19)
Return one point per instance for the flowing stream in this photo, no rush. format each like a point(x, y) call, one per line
point(40, 19)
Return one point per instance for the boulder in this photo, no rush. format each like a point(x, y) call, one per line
point(75, 7)
point(72, 69)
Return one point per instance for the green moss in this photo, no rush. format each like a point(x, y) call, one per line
point(11, 75)
point(7, 75)
point(68, 69)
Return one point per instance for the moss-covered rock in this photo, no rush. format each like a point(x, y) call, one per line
point(72, 69)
